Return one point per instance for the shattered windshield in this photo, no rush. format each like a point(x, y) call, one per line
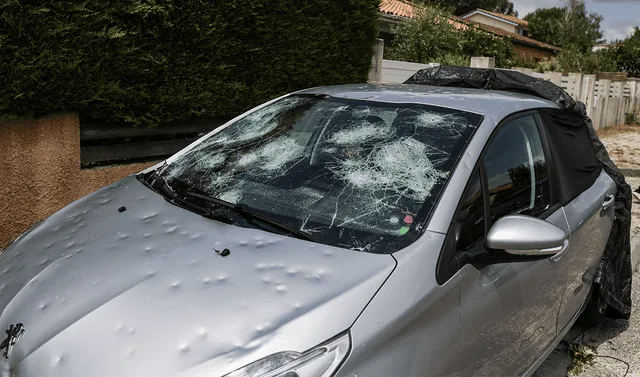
point(355, 174)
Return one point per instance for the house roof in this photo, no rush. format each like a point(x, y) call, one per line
point(514, 36)
point(406, 9)
point(400, 8)
point(510, 19)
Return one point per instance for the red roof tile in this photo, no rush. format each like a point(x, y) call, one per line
point(399, 8)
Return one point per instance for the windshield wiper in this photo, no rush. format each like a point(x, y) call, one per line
point(161, 186)
point(249, 214)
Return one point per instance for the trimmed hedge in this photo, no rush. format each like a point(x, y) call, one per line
point(151, 61)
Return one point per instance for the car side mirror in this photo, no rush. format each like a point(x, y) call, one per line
point(526, 236)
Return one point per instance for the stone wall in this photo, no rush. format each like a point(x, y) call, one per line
point(41, 172)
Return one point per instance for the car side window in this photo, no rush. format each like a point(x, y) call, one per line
point(516, 170)
point(470, 220)
point(510, 178)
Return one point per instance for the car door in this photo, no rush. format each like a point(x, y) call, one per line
point(590, 217)
point(508, 310)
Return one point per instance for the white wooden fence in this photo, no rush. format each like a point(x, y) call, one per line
point(608, 102)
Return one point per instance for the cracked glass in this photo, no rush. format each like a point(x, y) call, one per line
point(356, 174)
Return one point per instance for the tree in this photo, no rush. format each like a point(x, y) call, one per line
point(425, 38)
point(628, 54)
point(506, 7)
point(546, 25)
point(460, 7)
point(431, 37)
point(570, 26)
point(477, 42)
point(572, 60)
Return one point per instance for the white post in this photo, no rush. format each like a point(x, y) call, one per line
point(588, 93)
point(575, 85)
point(554, 77)
point(601, 99)
point(483, 62)
point(617, 108)
point(636, 99)
point(609, 110)
point(375, 75)
point(633, 94)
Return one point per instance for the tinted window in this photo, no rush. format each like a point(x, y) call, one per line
point(574, 157)
point(470, 217)
point(517, 176)
point(350, 173)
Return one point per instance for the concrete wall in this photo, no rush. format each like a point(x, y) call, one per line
point(483, 62)
point(481, 18)
point(40, 171)
point(397, 72)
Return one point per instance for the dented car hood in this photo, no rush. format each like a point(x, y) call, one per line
point(142, 292)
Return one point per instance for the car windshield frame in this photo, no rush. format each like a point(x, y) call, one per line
point(457, 126)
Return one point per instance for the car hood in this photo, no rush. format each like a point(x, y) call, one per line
point(122, 283)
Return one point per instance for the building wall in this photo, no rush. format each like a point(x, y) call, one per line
point(532, 52)
point(481, 18)
point(41, 172)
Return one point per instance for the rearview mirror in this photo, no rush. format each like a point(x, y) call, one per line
point(526, 236)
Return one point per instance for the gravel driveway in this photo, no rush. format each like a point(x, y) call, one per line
point(617, 343)
point(623, 145)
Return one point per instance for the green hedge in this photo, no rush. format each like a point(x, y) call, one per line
point(146, 62)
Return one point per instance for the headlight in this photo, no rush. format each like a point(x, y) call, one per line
point(321, 361)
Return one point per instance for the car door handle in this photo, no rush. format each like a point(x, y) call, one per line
point(608, 202)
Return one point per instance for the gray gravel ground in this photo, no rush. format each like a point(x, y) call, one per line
point(619, 339)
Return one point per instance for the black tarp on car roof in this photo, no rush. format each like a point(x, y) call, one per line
point(614, 273)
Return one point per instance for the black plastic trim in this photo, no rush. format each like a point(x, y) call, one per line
point(444, 270)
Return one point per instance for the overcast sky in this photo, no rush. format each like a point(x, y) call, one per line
point(620, 16)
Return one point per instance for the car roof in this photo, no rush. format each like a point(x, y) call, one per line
point(490, 103)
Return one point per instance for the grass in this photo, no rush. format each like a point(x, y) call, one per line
point(581, 357)
point(616, 130)
point(632, 124)
point(632, 119)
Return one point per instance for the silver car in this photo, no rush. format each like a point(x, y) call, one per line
point(339, 231)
